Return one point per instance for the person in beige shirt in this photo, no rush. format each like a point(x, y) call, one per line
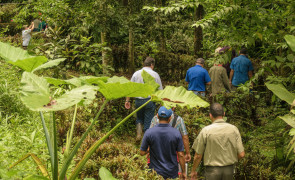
point(219, 79)
point(220, 146)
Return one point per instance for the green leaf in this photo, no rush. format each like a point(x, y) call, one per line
point(293, 111)
point(290, 39)
point(148, 79)
point(55, 82)
point(86, 80)
point(292, 132)
point(84, 94)
point(11, 53)
point(280, 91)
point(35, 177)
point(49, 64)
point(118, 87)
point(29, 64)
point(34, 91)
point(289, 119)
point(178, 96)
point(105, 174)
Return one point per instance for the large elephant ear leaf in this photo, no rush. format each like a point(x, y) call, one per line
point(50, 64)
point(29, 64)
point(290, 39)
point(280, 91)
point(83, 95)
point(11, 53)
point(105, 174)
point(34, 91)
point(148, 79)
point(178, 96)
point(118, 87)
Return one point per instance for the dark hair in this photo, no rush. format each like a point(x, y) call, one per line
point(149, 61)
point(163, 119)
point(200, 61)
point(243, 51)
point(216, 110)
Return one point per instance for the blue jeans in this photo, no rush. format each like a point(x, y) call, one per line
point(200, 93)
point(146, 114)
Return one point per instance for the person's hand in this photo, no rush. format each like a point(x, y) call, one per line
point(194, 175)
point(229, 82)
point(127, 104)
point(187, 157)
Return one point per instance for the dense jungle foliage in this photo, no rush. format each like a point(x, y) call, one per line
point(101, 38)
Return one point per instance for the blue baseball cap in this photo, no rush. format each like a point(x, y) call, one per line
point(163, 112)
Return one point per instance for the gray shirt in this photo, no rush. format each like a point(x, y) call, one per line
point(219, 143)
point(136, 77)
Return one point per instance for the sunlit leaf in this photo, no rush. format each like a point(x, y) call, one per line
point(105, 174)
point(118, 87)
point(178, 96)
point(34, 91)
point(55, 82)
point(35, 177)
point(29, 64)
point(148, 79)
point(84, 94)
point(289, 119)
point(49, 64)
point(290, 39)
point(280, 91)
point(11, 53)
point(292, 132)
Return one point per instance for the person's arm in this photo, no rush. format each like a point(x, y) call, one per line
point(197, 161)
point(32, 26)
point(182, 163)
point(231, 75)
point(250, 74)
point(208, 83)
point(186, 147)
point(225, 80)
point(142, 153)
point(241, 155)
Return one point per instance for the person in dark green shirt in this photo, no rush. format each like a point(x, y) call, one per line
point(219, 79)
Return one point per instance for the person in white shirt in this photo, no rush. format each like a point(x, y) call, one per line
point(26, 34)
point(146, 114)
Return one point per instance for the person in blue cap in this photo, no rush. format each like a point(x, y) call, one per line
point(164, 143)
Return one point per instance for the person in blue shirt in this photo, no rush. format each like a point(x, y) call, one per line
point(198, 78)
point(241, 69)
point(164, 144)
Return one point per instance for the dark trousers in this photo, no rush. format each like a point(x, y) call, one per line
point(146, 114)
point(219, 172)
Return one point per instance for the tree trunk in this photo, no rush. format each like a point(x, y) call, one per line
point(131, 51)
point(198, 32)
point(104, 54)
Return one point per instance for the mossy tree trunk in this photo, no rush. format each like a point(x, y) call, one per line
point(198, 32)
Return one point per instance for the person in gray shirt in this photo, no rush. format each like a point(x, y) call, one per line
point(146, 114)
point(221, 146)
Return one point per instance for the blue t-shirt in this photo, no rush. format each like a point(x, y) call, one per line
point(241, 66)
point(197, 77)
point(163, 141)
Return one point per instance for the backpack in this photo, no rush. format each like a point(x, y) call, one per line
point(174, 120)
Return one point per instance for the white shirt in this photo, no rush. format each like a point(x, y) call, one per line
point(26, 37)
point(136, 77)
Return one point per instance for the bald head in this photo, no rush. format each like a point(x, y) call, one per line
point(216, 110)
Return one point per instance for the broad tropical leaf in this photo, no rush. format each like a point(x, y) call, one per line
point(178, 96)
point(34, 91)
point(29, 64)
point(49, 64)
point(84, 94)
point(148, 79)
point(289, 119)
point(290, 39)
point(105, 174)
point(118, 87)
point(86, 80)
point(54, 81)
point(11, 53)
point(280, 91)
